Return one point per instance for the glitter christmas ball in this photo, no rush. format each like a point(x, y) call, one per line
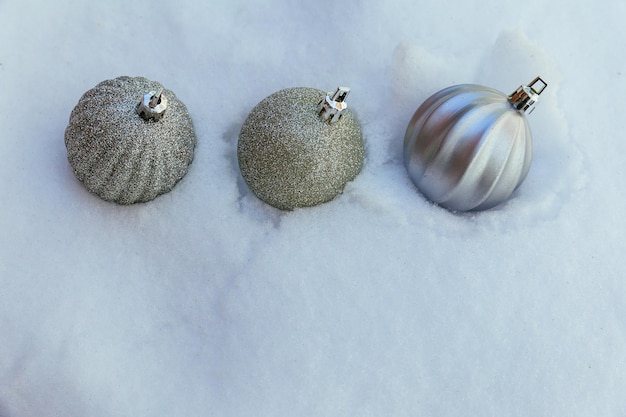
point(468, 147)
point(129, 140)
point(299, 147)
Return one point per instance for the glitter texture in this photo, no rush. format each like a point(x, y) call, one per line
point(120, 156)
point(290, 158)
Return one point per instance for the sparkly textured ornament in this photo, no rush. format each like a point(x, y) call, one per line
point(299, 147)
point(129, 140)
point(468, 147)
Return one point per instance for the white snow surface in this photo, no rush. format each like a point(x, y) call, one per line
point(208, 302)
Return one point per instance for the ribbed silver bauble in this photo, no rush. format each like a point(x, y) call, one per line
point(129, 140)
point(468, 147)
point(299, 147)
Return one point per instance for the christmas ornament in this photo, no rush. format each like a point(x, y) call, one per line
point(468, 147)
point(129, 140)
point(299, 147)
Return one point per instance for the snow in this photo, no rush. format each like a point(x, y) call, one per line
point(206, 301)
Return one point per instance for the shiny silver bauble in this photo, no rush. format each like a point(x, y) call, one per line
point(468, 147)
point(129, 140)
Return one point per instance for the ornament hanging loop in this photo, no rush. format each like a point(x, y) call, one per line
point(153, 105)
point(333, 105)
point(526, 96)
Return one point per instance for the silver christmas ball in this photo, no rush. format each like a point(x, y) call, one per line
point(129, 140)
point(468, 147)
point(299, 147)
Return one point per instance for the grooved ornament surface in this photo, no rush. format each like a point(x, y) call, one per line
point(290, 158)
point(467, 148)
point(120, 156)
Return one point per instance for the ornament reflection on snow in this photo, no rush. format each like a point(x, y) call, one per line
point(129, 140)
point(299, 147)
point(468, 147)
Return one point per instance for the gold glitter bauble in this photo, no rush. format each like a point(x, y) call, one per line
point(290, 157)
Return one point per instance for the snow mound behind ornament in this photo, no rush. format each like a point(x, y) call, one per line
point(129, 140)
point(299, 147)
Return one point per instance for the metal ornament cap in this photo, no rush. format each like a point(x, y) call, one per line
point(296, 151)
point(153, 105)
point(123, 155)
point(468, 147)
